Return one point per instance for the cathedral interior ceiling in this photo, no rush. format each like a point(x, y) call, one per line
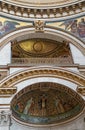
point(46, 103)
point(43, 103)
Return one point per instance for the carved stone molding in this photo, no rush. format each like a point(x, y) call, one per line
point(39, 26)
point(35, 72)
point(42, 61)
point(82, 72)
point(42, 13)
point(81, 90)
point(5, 118)
point(6, 92)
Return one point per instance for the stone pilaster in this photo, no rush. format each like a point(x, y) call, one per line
point(5, 119)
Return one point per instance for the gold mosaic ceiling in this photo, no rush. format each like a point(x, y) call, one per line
point(43, 2)
point(40, 48)
point(46, 103)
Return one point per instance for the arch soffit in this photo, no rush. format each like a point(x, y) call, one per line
point(35, 72)
point(49, 32)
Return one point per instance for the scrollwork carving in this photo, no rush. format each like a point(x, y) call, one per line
point(39, 25)
point(5, 118)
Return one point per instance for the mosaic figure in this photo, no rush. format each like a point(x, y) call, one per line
point(28, 105)
point(7, 26)
point(81, 28)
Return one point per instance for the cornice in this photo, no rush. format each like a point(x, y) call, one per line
point(43, 4)
point(45, 13)
point(25, 66)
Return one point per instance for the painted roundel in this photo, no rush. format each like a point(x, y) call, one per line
point(38, 47)
point(46, 103)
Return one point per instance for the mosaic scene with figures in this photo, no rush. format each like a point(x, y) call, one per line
point(75, 25)
point(44, 103)
point(7, 25)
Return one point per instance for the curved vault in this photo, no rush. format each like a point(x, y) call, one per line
point(46, 103)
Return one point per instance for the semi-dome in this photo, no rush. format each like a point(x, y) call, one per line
point(46, 103)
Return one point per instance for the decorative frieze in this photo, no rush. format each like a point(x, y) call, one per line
point(42, 61)
point(7, 91)
point(40, 12)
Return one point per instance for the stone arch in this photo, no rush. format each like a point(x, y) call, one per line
point(34, 72)
point(49, 32)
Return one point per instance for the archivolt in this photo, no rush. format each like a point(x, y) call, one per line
point(34, 72)
point(49, 33)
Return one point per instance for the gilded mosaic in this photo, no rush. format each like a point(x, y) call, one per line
point(46, 103)
point(7, 25)
point(76, 26)
point(40, 48)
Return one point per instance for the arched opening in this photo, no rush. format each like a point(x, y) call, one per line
point(46, 103)
point(49, 32)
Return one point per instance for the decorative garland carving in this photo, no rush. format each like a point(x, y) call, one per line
point(56, 12)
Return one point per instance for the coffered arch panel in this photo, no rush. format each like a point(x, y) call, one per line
point(35, 72)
